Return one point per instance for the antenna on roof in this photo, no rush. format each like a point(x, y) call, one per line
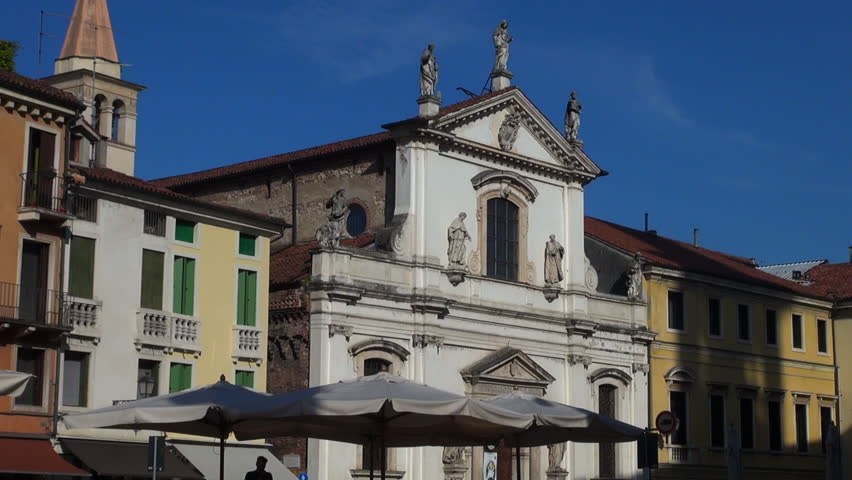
point(646, 221)
point(466, 92)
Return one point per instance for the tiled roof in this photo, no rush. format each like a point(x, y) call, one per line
point(178, 181)
point(293, 264)
point(38, 89)
point(834, 280)
point(250, 166)
point(106, 175)
point(785, 270)
point(678, 255)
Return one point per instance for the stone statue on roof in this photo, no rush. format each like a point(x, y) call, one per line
point(329, 234)
point(501, 46)
point(572, 118)
point(428, 72)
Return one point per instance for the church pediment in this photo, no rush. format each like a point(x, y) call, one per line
point(509, 368)
point(509, 124)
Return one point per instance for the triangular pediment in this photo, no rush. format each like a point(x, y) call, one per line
point(533, 136)
point(507, 366)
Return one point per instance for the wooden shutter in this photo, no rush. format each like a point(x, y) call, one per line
point(177, 287)
point(189, 287)
point(186, 377)
point(82, 267)
point(174, 377)
point(184, 230)
point(152, 279)
point(247, 244)
point(251, 298)
point(47, 144)
point(241, 297)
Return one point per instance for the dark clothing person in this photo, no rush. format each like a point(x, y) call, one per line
point(260, 473)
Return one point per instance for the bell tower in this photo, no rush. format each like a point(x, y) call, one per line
point(88, 66)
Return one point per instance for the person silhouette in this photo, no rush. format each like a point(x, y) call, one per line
point(260, 472)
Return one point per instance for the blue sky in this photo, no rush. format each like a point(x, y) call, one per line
point(728, 116)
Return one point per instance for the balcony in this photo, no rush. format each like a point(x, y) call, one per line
point(247, 344)
point(82, 315)
point(682, 454)
point(43, 198)
point(167, 331)
point(35, 313)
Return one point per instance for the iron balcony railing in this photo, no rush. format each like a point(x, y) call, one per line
point(37, 306)
point(44, 190)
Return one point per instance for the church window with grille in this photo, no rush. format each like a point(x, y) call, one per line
point(502, 239)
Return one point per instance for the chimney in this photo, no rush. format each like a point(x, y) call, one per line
point(646, 224)
point(850, 254)
point(694, 237)
point(653, 232)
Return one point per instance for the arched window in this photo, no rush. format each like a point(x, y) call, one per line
point(606, 451)
point(356, 222)
point(502, 239)
point(97, 109)
point(375, 365)
point(117, 114)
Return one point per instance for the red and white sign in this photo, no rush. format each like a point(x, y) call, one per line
point(666, 422)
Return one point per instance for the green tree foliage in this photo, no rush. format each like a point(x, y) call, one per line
point(8, 51)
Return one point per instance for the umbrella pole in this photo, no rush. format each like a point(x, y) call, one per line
point(384, 457)
point(371, 457)
point(222, 457)
point(518, 460)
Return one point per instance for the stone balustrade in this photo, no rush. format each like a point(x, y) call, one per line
point(248, 343)
point(82, 317)
point(168, 331)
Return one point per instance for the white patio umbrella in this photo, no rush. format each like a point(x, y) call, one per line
point(385, 408)
point(209, 411)
point(12, 383)
point(556, 422)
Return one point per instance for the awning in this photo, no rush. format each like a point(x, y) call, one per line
point(13, 383)
point(238, 460)
point(119, 459)
point(34, 457)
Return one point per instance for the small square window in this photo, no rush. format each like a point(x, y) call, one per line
point(248, 244)
point(85, 208)
point(184, 231)
point(155, 223)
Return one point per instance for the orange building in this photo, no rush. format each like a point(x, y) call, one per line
point(37, 130)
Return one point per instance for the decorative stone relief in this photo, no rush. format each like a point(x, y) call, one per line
point(345, 330)
point(422, 340)
point(555, 453)
point(640, 367)
point(455, 466)
point(634, 279)
point(574, 359)
point(591, 278)
point(509, 131)
point(329, 234)
point(475, 263)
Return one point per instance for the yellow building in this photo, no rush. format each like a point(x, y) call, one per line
point(738, 352)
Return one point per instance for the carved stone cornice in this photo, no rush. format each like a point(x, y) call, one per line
point(345, 330)
point(645, 337)
point(574, 359)
point(420, 340)
point(438, 306)
point(585, 328)
point(641, 367)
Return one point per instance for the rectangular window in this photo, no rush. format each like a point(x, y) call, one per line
point(771, 327)
point(822, 336)
point(678, 407)
point(715, 313)
point(798, 337)
point(85, 208)
point(246, 298)
point(147, 379)
point(184, 286)
point(801, 427)
point(747, 422)
point(717, 421)
point(81, 267)
point(773, 408)
point(184, 230)
point(155, 223)
point(75, 379)
point(247, 244)
point(824, 419)
point(743, 323)
point(152, 279)
point(31, 361)
point(244, 378)
point(40, 175)
point(502, 240)
point(676, 311)
point(180, 377)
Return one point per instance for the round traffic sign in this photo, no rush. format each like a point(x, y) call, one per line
point(666, 422)
point(303, 476)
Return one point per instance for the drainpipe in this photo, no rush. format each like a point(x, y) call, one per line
point(293, 229)
point(837, 410)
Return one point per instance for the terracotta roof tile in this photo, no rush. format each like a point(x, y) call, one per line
point(834, 280)
point(113, 177)
point(293, 264)
point(250, 166)
point(678, 255)
point(39, 89)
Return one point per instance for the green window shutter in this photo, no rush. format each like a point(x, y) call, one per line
point(251, 298)
point(82, 267)
point(241, 297)
point(152, 279)
point(245, 379)
point(174, 377)
point(184, 230)
point(187, 377)
point(177, 287)
point(247, 244)
point(189, 287)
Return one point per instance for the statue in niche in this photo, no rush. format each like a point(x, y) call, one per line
point(328, 235)
point(553, 253)
point(501, 46)
point(509, 131)
point(453, 456)
point(428, 71)
point(456, 236)
point(555, 452)
point(634, 278)
point(572, 118)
